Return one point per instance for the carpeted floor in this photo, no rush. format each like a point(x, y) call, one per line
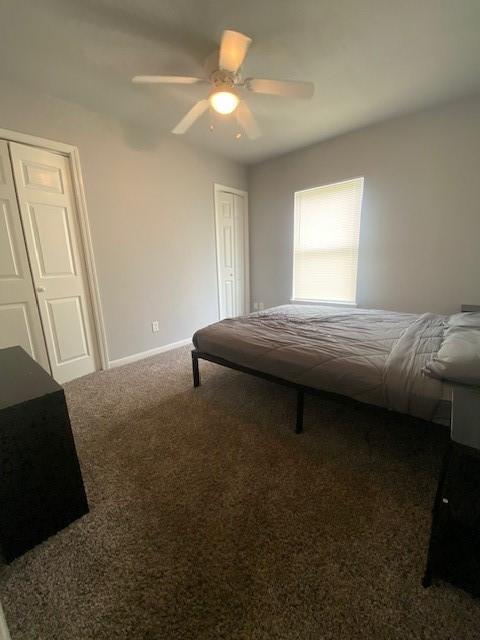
point(210, 518)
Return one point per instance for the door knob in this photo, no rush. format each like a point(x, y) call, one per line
point(40, 289)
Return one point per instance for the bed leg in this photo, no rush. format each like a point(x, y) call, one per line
point(299, 423)
point(195, 370)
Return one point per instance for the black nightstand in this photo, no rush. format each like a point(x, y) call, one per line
point(454, 551)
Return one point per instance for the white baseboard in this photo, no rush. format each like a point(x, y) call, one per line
point(4, 634)
point(147, 354)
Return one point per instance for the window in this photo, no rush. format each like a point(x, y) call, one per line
point(326, 234)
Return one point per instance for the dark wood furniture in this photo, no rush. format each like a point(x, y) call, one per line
point(41, 486)
point(470, 307)
point(454, 550)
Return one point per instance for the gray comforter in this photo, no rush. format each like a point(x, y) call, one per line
point(372, 356)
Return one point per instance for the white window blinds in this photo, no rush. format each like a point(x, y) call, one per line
point(327, 225)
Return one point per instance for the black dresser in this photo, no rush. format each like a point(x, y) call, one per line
point(454, 551)
point(41, 486)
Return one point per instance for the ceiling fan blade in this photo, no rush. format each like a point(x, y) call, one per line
point(290, 88)
point(247, 121)
point(193, 115)
point(166, 80)
point(233, 49)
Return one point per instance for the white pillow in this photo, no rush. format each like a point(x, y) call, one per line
point(458, 359)
point(466, 319)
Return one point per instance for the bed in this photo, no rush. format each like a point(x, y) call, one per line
point(368, 356)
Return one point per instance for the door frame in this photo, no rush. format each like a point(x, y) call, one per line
point(246, 244)
point(73, 156)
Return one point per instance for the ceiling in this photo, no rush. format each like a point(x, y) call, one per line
point(369, 60)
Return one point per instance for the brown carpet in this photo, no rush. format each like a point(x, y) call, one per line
point(211, 519)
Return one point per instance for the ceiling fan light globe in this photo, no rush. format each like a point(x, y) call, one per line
point(224, 102)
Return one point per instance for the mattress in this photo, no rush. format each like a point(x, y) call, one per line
point(372, 356)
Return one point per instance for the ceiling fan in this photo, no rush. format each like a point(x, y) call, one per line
point(226, 82)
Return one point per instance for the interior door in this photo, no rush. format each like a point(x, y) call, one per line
point(240, 275)
point(230, 237)
point(50, 222)
point(19, 317)
point(226, 254)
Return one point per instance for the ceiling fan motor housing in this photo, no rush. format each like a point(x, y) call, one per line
point(225, 80)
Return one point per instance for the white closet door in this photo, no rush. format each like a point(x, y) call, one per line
point(50, 223)
point(230, 231)
point(226, 254)
point(19, 317)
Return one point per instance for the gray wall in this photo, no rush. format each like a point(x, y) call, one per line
point(150, 206)
point(420, 229)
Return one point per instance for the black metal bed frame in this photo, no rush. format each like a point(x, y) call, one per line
point(300, 388)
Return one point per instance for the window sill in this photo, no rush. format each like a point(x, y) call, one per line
point(327, 303)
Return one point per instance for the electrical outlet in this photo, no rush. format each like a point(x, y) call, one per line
point(155, 326)
point(255, 306)
point(261, 306)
